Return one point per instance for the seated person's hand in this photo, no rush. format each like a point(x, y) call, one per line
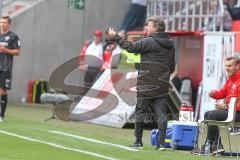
point(106, 65)
point(211, 93)
point(220, 106)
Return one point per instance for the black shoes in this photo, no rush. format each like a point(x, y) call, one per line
point(206, 149)
point(217, 150)
point(160, 148)
point(201, 152)
point(209, 149)
point(137, 145)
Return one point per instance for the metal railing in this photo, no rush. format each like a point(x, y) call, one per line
point(188, 15)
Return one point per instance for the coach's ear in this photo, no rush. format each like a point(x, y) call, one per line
point(238, 66)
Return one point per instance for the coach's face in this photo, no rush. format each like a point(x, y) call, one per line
point(4, 25)
point(150, 28)
point(231, 67)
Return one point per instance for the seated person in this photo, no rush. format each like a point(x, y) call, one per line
point(230, 89)
point(91, 58)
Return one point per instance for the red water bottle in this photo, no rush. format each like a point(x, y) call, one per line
point(186, 112)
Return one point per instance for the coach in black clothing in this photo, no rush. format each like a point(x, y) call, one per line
point(157, 63)
point(9, 47)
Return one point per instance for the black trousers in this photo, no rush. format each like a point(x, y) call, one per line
point(219, 115)
point(161, 116)
point(135, 17)
point(91, 76)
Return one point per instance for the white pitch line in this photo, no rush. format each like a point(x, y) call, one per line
point(58, 146)
point(94, 140)
point(5, 159)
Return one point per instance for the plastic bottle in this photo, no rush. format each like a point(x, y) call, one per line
point(23, 98)
point(207, 148)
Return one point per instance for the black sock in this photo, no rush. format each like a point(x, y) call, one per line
point(3, 104)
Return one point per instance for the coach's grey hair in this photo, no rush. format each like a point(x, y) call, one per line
point(236, 58)
point(158, 23)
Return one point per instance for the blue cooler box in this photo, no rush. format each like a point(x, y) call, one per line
point(155, 135)
point(184, 135)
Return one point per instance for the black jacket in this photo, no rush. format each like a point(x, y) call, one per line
point(157, 63)
point(155, 48)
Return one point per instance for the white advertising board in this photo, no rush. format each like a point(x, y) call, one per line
point(122, 111)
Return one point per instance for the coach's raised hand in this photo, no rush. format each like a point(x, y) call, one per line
point(111, 32)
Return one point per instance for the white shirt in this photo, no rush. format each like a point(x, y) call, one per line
point(94, 55)
point(140, 2)
point(95, 50)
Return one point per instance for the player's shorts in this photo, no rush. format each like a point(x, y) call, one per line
point(5, 80)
